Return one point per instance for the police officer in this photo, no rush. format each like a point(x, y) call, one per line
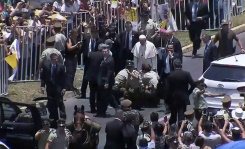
point(60, 39)
point(126, 106)
point(60, 138)
point(42, 135)
point(121, 80)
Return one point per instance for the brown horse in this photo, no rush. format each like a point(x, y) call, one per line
point(83, 137)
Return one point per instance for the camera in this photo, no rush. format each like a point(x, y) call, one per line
point(189, 126)
point(211, 117)
point(146, 126)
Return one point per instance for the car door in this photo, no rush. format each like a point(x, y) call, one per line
point(6, 114)
point(20, 125)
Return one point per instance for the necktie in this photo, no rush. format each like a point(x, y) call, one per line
point(127, 40)
point(92, 45)
point(53, 69)
point(195, 9)
point(205, 50)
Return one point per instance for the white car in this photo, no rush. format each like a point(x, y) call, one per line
point(225, 75)
point(3, 146)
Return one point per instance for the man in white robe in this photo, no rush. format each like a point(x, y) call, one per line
point(144, 51)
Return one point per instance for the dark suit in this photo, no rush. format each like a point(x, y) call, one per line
point(85, 48)
point(93, 66)
point(176, 45)
point(125, 52)
point(54, 86)
point(210, 54)
point(178, 82)
point(105, 76)
point(196, 27)
point(161, 66)
point(114, 136)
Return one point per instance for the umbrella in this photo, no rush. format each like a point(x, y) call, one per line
point(57, 17)
point(233, 145)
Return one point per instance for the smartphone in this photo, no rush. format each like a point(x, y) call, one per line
point(165, 119)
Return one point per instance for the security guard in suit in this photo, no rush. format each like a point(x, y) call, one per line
point(51, 75)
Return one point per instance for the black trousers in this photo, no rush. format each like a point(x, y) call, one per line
point(71, 68)
point(126, 55)
point(85, 81)
point(195, 32)
point(105, 97)
point(177, 113)
point(93, 94)
point(53, 105)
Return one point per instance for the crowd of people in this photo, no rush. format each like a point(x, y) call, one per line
point(129, 70)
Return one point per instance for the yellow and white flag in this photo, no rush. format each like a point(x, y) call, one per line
point(167, 20)
point(132, 16)
point(13, 59)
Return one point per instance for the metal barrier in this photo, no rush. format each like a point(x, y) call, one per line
point(3, 72)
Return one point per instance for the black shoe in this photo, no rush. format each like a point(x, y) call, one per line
point(194, 56)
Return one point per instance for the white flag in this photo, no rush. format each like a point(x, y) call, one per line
point(15, 49)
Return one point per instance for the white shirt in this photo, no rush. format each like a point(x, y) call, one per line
point(57, 6)
point(90, 42)
point(153, 77)
point(35, 34)
point(60, 42)
point(65, 8)
point(167, 68)
point(76, 5)
point(211, 139)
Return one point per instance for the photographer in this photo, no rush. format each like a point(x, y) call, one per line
point(188, 136)
point(205, 130)
point(147, 133)
point(199, 94)
point(237, 132)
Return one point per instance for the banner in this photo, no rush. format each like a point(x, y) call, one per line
point(132, 16)
point(167, 20)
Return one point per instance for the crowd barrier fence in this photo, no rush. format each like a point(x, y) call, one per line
point(3, 72)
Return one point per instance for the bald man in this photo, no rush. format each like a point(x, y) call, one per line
point(144, 51)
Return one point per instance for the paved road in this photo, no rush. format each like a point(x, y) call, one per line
point(192, 65)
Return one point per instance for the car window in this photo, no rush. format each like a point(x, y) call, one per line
point(225, 73)
point(9, 112)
